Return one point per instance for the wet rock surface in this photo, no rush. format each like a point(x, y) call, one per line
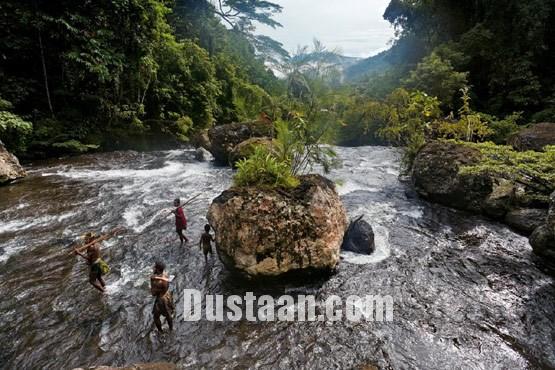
point(270, 232)
point(144, 366)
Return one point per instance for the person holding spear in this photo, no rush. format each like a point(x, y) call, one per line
point(180, 219)
point(97, 267)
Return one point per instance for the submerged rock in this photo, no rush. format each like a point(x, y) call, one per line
point(534, 137)
point(359, 237)
point(224, 138)
point(270, 232)
point(10, 169)
point(436, 176)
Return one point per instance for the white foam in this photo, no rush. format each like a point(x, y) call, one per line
point(381, 252)
point(132, 215)
point(352, 186)
point(170, 168)
point(24, 224)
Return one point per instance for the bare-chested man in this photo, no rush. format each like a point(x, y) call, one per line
point(93, 259)
point(163, 303)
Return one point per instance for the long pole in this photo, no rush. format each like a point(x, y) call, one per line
point(111, 234)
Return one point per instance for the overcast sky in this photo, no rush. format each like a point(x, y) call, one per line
point(356, 27)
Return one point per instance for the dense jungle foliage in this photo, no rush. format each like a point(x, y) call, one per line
point(128, 73)
point(116, 74)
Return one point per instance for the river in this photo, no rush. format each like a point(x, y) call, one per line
point(468, 292)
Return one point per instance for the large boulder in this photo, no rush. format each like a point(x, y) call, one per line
point(359, 237)
point(534, 137)
point(271, 232)
point(10, 169)
point(542, 239)
point(224, 138)
point(436, 176)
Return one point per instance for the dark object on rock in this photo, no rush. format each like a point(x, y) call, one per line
point(359, 237)
point(526, 220)
point(10, 169)
point(535, 137)
point(436, 176)
point(224, 138)
point(542, 239)
point(272, 232)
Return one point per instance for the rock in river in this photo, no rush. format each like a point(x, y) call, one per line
point(270, 232)
point(359, 237)
point(436, 176)
point(10, 169)
point(224, 138)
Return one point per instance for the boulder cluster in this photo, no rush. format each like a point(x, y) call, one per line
point(437, 177)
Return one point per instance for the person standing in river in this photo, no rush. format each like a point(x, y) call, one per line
point(163, 303)
point(97, 267)
point(180, 221)
point(205, 242)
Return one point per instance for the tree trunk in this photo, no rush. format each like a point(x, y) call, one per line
point(45, 74)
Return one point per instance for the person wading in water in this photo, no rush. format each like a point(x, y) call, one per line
point(180, 221)
point(97, 267)
point(205, 242)
point(163, 303)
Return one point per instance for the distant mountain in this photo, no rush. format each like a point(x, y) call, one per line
point(375, 64)
point(403, 55)
point(345, 62)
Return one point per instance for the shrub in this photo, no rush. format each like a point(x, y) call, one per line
point(264, 169)
point(535, 170)
point(14, 131)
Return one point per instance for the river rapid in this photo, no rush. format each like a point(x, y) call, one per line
point(468, 292)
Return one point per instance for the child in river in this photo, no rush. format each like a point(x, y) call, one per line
point(205, 242)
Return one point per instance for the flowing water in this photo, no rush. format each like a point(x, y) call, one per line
point(468, 292)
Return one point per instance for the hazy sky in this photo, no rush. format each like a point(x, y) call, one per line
point(356, 27)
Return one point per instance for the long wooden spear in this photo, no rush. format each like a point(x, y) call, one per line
point(107, 236)
point(188, 201)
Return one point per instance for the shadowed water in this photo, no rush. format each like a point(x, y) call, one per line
point(468, 292)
